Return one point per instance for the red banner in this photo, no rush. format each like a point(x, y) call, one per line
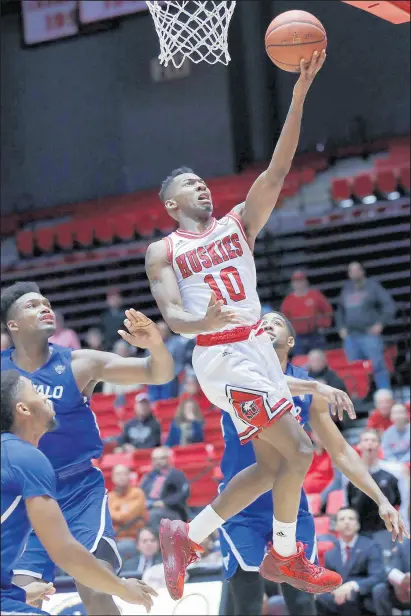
point(48, 20)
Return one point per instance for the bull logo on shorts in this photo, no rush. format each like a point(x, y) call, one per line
point(250, 409)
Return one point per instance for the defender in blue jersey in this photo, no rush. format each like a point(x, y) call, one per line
point(28, 499)
point(68, 379)
point(244, 537)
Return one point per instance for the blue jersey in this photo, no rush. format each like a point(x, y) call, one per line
point(77, 437)
point(236, 456)
point(25, 473)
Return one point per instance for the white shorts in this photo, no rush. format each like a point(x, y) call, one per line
point(246, 380)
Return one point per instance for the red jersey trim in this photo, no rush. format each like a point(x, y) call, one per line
point(169, 247)
point(194, 235)
point(234, 216)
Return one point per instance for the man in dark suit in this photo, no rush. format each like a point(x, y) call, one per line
point(145, 556)
point(359, 561)
point(166, 489)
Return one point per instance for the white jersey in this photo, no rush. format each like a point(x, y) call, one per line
point(218, 259)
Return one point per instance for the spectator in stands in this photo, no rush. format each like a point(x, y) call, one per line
point(310, 313)
point(146, 553)
point(365, 307)
point(127, 505)
point(123, 349)
point(395, 593)
point(371, 523)
point(142, 432)
point(318, 369)
point(320, 476)
point(112, 318)
point(94, 339)
point(187, 426)
point(166, 489)
point(176, 346)
point(210, 556)
point(64, 336)
point(380, 418)
point(359, 561)
point(5, 341)
point(396, 439)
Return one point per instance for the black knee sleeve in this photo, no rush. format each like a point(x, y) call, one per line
point(247, 593)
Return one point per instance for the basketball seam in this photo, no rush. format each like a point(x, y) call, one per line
point(295, 22)
point(295, 44)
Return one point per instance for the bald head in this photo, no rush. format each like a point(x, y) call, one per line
point(317, 361)
point(121, 476)
point(160, 458)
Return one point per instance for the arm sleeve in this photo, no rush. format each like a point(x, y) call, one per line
point(34, 474)
point(181, 490)
point(376, 571)
point(386, 303)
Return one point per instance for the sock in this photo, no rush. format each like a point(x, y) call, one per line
point(205, 523)
point(284, 542)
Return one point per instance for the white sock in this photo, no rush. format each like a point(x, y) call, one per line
point(284, 542)
point(205, 523)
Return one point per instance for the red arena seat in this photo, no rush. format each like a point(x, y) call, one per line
point(322, 525)
point(65, 236)
point(85, 232)
point(110, 460)
point(44, 238)
point(335, 501)
point(363, 185)
point(104, 230)
point(341, 189)
point(323, 547)
point(25, 243)
point(314, 502)
point(405, 178)
point(386, 181)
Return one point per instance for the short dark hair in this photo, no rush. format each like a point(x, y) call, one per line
point(10, 389)
point(12, 294)
point(150, 530)
point(290, 327)
point(170, 179)
point(347, 508)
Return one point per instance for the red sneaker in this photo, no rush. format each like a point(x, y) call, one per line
point(178, 552)
point(299, 572)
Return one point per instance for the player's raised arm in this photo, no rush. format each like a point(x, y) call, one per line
point(52, 530)
point(347, 460)
point(140, 332)
point(164, 287)
point(264, 193)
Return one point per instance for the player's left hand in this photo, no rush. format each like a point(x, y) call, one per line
point(308, 70)
point(338, 400)
point(393, 521)
point(141, 331)
point(38, 591)
point(343, 593)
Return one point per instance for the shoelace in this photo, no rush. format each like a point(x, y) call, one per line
point(316, 570)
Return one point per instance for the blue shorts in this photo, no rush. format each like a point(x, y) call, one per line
point(244, 539)
point(13, 601)
point(82, 498)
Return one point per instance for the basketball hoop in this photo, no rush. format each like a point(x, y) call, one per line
point(194, 30)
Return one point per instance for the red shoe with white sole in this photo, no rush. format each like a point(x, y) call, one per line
point(299, 572)
point(178, 552)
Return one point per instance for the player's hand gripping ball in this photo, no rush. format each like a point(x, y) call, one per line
point(141, 331)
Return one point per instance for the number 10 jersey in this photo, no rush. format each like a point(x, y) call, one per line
point(219, 260)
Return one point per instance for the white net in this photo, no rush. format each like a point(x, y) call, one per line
point(194, 30)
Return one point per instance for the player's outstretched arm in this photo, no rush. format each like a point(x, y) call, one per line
point(164, 287)
point(347, 460)
point(51, 529)
point(140, 332)
point(264, 193)
point(337, 399)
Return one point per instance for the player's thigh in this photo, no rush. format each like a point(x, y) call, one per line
point(288, 437)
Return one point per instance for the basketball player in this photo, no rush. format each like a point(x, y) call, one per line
point(68, 378)
point(204, 281)
point(28, 499)
point(244, 537)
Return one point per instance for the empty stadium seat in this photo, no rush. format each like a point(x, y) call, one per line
point(124, 227)
point(25, 243)
point(386, 181)
point(363, 185)
point(335, 501)
point(323, 547)
point(322, 525)
point(341, 189)
point(44, 238)
point(197, 452)
point(102, 403)
point(203, 492)
point(104, 230)
point(84, 232)
point(110, 460)
point(141, 457)
point(65, 235)
point(314, 502)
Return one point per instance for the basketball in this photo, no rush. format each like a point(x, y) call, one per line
point(292, 36)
